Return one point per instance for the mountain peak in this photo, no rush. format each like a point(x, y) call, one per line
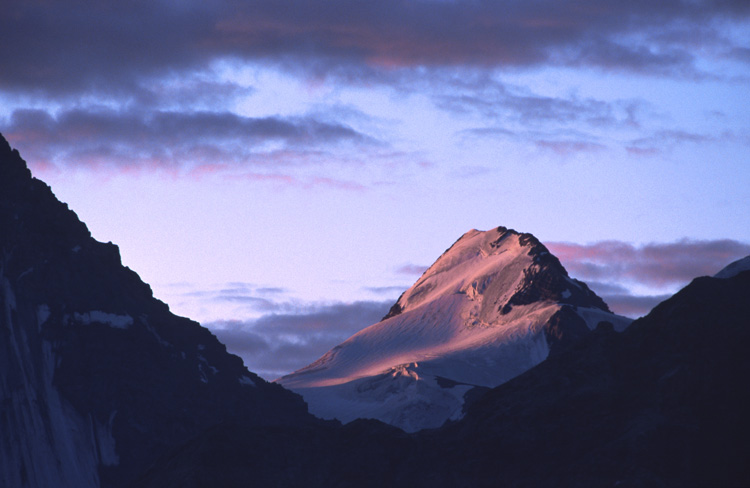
point(734, 268)
point(492, 305)
point(97, 377)
point(12, 166)
point(514, 268)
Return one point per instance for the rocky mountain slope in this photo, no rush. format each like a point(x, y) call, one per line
point(100, 385)
point(492, 306)
point(662, 404)
point(98, 378)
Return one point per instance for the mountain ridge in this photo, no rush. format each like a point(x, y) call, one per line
point(100, 385)
point(491, 306)
point(663, 403)
point(98, 377)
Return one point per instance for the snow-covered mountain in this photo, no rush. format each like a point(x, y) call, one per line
point(734, 268)
point(97, 377)
point(664, 403)
point(495, 304)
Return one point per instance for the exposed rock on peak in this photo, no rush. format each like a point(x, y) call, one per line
point(662, 404)
point(491, 306)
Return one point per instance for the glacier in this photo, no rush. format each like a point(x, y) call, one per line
point(491, 307)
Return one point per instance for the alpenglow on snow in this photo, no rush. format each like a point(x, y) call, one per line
point(491, 307)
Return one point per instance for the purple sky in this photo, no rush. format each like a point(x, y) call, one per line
point(281, 171)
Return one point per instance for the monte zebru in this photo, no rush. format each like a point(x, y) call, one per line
point(492, 306)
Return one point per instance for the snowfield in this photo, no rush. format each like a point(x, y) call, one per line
point(457, 327)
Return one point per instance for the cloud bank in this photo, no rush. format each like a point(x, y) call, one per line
point(155, 84)
point(159, 139)
point(73, 46)
point(279, 343)
point(293, 334)
point(614, 268)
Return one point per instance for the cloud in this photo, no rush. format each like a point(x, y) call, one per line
point(663, 140)
point(73, 46)
point(656, 264)
point(614, 268)
point(565, 148)
point(279, 343)
point(483, 94)
point(562, 124)
point(173, 139)
point(386, 290)
point(271, 290)
point(293, 334)
point(411, 269)
point(240, 298)
point(633, 306)
point(622, 301)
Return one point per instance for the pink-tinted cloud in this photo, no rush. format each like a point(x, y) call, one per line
point(411, 269)
point(196, 142)
point(654, 265)
point(613, 268)
point(73, 46)
point(633, 306)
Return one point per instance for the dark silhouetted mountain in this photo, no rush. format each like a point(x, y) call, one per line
point(492, 306)
point(97, 377)
point(664, 404)
point(100, 385)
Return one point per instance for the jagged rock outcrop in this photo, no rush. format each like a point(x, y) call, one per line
point(97, 377)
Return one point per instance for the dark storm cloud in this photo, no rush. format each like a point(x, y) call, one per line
point(141, 137)
point(655, 265)
point(72, 46)
point(277, 344)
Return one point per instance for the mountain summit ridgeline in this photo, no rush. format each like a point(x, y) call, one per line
point(101, 386)
point(492, 306)
point(97, 377)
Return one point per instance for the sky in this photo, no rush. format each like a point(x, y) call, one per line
point(281, 171)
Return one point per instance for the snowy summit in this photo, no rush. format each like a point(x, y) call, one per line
point(735, 268)
point(491, 307)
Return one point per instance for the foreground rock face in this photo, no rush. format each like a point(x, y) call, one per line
point(98, 378)
point(663, 403)
point(492, 306)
